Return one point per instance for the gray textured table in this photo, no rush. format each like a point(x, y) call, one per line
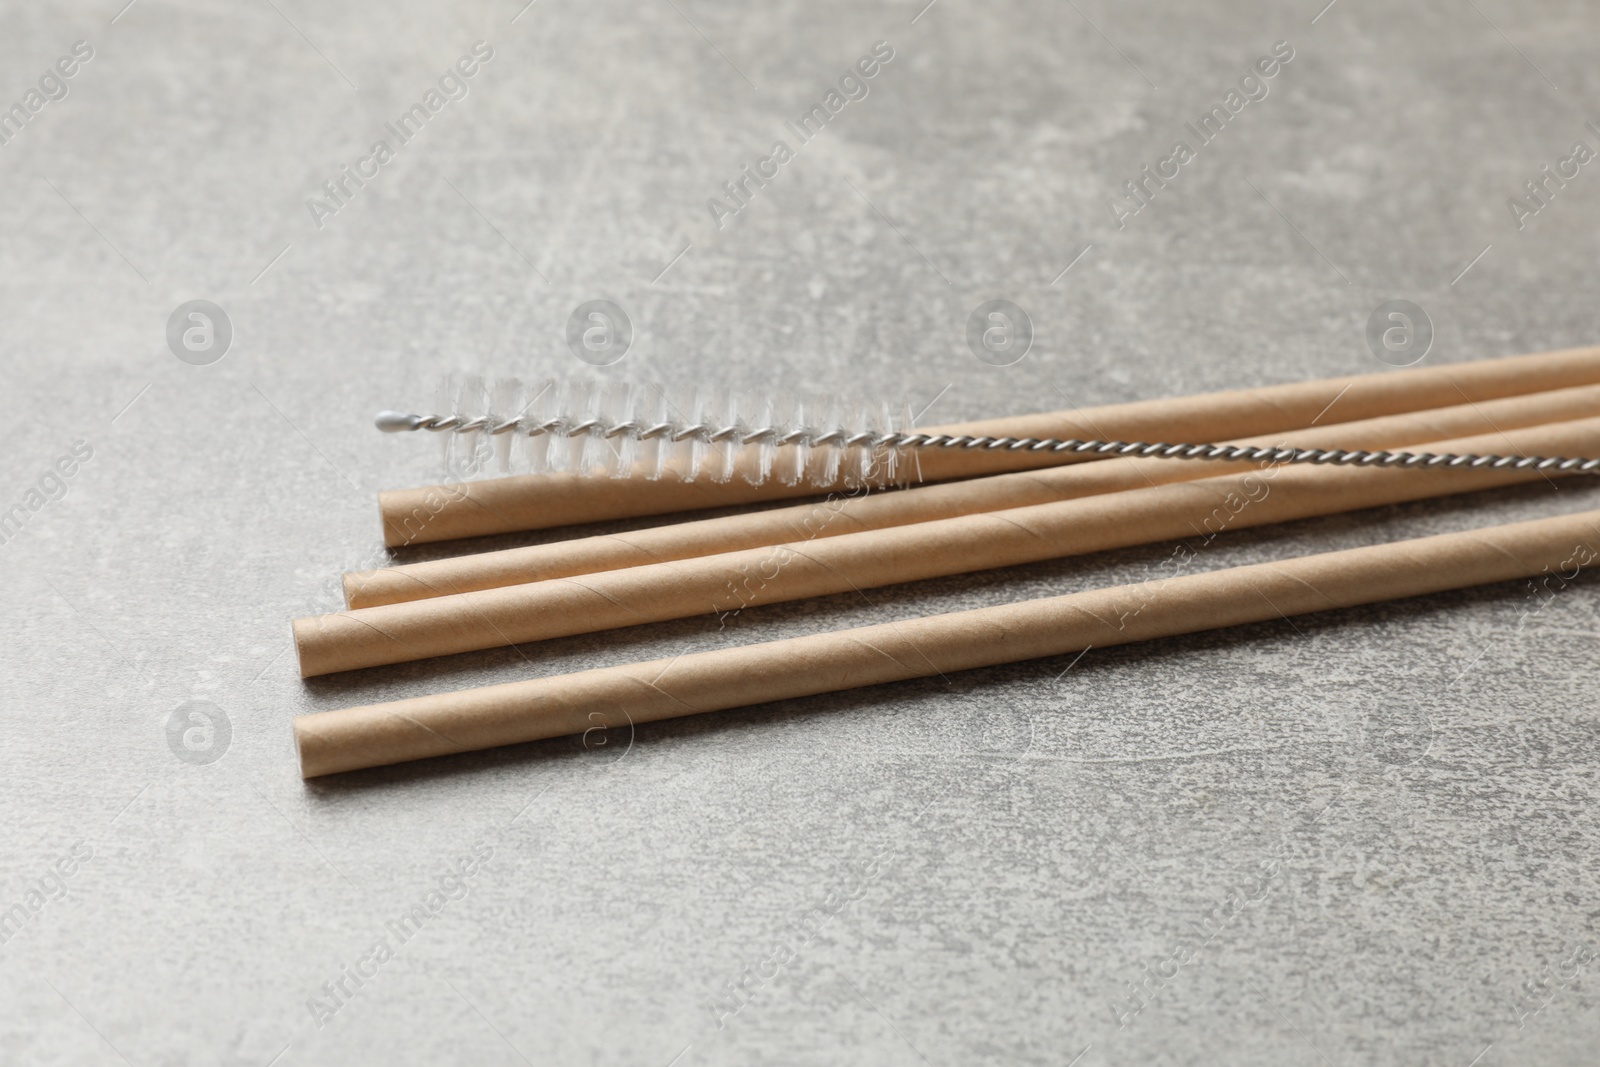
point(1366, 837)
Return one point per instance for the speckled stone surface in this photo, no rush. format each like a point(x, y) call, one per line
point(1365, 837)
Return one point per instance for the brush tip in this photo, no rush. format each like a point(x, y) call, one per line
point(396, 421)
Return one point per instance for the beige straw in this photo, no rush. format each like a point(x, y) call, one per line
point(853, 513)
point(533, 502)
point(463, 622)
point(620, 697)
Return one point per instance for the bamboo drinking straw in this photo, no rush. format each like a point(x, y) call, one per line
point(438, 725)
point(533, 502)
point(842, 514)
point(395, 633)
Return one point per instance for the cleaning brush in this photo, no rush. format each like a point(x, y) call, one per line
point(623, 430)
point(559, 493)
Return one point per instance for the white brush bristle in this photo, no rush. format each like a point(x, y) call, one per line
point(576, 420)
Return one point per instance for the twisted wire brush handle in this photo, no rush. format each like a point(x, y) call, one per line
point(401, 422)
